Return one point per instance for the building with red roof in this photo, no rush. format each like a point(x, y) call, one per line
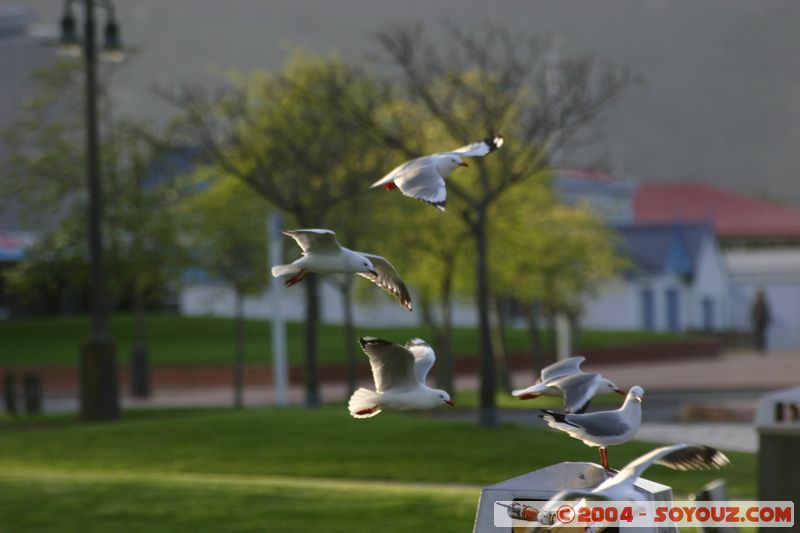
point(758, 250)
point(738, 220)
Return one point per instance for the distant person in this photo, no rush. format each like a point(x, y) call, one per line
point(760, 315)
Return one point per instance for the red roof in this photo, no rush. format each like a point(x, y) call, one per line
point(732, 214)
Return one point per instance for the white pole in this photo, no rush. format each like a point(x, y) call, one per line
point(280, 372)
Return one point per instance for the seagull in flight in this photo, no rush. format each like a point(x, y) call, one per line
point(621, 486)
point(565, 378)
point(322, 254)
point(423, 178)
point(399, 373)
point(602, 428)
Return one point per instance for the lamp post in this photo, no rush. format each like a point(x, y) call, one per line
point(99, 393)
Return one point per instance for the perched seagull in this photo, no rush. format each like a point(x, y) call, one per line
point(399, 373)
point(423, 178)
point(620, 487)
point(565, 378)
point(323, 254)
point(602, 428)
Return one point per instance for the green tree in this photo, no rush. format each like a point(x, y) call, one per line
point(487, 82)
point(45, 173)
point(225, 231)
point(549, 254)
point(277, 133)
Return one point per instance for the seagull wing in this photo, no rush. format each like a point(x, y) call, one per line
point(388, 279)
point(600, 423)
point(392, 365)
point(320, 241)
point(424, 357)
point(486, 146)
point(578, 390)
point(571, 365)
point(419, 179)
point(676, 457)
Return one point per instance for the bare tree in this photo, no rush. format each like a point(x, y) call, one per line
point(490, 82)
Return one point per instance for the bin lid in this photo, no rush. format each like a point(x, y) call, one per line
point(779, 410)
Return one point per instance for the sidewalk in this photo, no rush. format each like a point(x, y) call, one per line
point(740, 370)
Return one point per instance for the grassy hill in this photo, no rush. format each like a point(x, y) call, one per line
point(287, 469)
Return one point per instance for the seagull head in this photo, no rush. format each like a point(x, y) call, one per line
point(609, 386)
point(635, 394)
point(447, 163)
point(445, 398)
point(363, 264)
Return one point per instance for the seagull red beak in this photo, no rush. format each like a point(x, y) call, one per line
point(620, 391)
point(529, 396)
point(462, 164)
point(450, 403)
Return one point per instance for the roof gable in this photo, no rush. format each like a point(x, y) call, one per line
point(664, 248)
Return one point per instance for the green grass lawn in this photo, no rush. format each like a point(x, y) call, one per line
point(280, 470)
point(184, 341)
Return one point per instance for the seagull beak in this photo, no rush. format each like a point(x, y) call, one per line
point(450, 403)
point(374, 273)
point(528, 396)
point(620, 391)
point(462, 164)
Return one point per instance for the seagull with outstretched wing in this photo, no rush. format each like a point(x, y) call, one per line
point(323, 254)
point(565, 378)
point(399, 373)
point(620, 487)
point(423, 178)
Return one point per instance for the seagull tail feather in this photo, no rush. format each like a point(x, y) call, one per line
point(364, 403)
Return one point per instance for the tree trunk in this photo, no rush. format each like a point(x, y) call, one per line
point(312, 323)
point(551, 355)
point(140, 378)
point(349, 332)
point(238, 361)
point(445, 365)
point(488, 409)
point(500, 347)
point(532, 313)
point(575, 327)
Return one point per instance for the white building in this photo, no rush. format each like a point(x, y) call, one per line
point(677, 282)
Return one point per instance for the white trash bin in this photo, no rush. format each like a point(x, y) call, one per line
point(778, 426)
point(543, 484)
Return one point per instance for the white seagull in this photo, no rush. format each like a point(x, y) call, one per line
point(322, 254)
point(399, 373)
point(602, 428)
point(620, 487)
point(423, 178)
point(565, 378)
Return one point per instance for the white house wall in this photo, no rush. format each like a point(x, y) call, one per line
point(615, 306)
point(711, 281)
point(778, 273)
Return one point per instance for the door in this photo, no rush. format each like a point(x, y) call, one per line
point(648, 310)
point(708, 314)
point(673, 310)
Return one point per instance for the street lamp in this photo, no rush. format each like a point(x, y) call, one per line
point(99, 393)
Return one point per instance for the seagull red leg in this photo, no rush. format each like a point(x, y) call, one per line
point(367, 411)
point(296, 279)
point(604, 458)
point(389, 186)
